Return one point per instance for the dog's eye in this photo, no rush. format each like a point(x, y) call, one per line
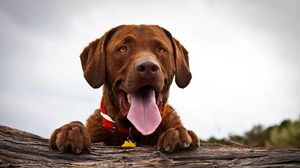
point(161, 50)
point(123, 49)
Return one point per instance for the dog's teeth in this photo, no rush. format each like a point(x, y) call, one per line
point(129, 98)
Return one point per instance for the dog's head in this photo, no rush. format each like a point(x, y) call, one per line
point(137, 63)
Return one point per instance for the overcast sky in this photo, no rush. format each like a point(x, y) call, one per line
point(244, 57)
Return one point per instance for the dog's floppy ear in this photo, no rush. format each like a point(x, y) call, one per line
point(183, 75)
point(93, 60)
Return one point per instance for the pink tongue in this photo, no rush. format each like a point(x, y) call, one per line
point(144, 113)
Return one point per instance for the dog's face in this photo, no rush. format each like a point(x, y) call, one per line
point(137, 64)
point(139, 59)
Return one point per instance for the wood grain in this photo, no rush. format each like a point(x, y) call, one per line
point(22, 149)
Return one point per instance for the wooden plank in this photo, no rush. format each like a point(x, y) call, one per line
point(19, 148)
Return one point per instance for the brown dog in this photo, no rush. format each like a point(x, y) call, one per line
point(136, 65)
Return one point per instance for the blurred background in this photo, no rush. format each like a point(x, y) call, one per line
point(244, 57)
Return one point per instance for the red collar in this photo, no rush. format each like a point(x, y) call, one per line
point(110, 124)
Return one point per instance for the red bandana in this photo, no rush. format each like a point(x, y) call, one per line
point(109, 124)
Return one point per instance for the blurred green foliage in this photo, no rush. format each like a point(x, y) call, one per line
point(286, 134)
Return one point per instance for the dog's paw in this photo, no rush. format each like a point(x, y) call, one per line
point(72, 137)
point(177, 138)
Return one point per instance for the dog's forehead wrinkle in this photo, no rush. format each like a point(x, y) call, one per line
point(128, 38)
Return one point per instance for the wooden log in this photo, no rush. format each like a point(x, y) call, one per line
point(22, 149)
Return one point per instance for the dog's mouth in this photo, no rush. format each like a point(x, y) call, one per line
point(142, 108)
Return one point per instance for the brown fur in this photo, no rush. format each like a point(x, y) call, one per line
point(105, 63)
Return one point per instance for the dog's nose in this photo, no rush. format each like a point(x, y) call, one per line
point(147, 68)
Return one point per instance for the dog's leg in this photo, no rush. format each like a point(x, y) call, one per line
point(175, 136)
point(72, 137)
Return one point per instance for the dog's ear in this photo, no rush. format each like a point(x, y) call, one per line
point(93, 60)
point(183, 75)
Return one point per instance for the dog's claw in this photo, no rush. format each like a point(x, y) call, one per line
point(77, 150)
point(185, 145)
point(167, 149)
point(61, 149)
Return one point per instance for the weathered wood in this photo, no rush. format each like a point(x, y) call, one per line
point(18, 148)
